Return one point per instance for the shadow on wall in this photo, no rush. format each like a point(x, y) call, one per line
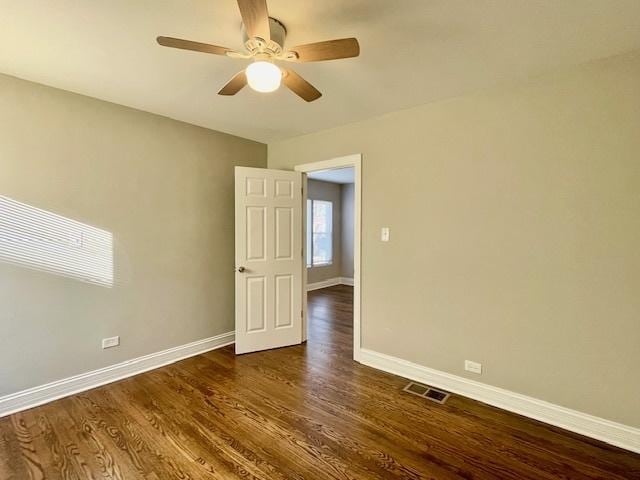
point(48, 242)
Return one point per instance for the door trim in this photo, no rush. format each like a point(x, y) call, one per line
point(354, 161)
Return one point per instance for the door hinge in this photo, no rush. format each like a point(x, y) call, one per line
point(301, 313)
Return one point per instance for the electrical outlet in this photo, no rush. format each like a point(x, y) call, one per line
point(110, 342)
point(384, 234)
point(473, 367)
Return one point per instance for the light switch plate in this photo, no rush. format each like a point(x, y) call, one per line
point(384, 234)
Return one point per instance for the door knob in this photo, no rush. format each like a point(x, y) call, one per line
point(241, 269)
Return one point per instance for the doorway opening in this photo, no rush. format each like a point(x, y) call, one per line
point(331, 270)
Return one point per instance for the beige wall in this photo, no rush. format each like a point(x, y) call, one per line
point(515, 234)
point(347, 225)
point(318, 190)
point(165, 191)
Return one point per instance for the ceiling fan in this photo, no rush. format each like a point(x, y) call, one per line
point(264, 43)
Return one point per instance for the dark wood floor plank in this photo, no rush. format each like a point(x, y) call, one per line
point(41, 464)
point(168, 437)
point(340, 416)
point(12, 461)
point(211, 435)
point(304, 412)
point(117, 455)
point(250, 413)
point(291, 415)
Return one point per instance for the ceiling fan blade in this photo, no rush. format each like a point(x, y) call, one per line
point(329, 50)
point(189, 45)
point(300, 86)
point(255, 17)
point(234, 85)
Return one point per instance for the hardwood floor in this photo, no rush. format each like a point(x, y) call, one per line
point(304, 412)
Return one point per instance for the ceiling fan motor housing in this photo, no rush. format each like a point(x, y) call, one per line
point(275, 46)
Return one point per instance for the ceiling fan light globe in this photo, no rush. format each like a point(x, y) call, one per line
point(264, 76)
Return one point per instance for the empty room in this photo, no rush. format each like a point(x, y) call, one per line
point(278, 239)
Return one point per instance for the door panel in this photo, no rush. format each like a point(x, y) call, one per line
point(256, 219)
point(284, 301)
point(284, 233)
point(256, 304)
point(269, 248)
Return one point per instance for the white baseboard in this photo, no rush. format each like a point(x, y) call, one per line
point(605, 430)
point(323, 284)
point(35, 396)
point(329, 283)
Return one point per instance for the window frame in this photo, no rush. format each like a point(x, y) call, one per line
point(311, 233)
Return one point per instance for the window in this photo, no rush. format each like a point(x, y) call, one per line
point(319, 233)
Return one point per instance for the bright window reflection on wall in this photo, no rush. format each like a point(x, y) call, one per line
point(44, 241)
point(319, 233)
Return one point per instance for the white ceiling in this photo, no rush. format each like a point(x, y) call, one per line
point(337, 175)
point(413, 52)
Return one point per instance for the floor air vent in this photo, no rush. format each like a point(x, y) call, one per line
point(427, 392)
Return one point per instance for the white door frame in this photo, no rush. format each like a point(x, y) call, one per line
point(354, 161)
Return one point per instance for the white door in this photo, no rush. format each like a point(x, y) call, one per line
point(268, 259)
